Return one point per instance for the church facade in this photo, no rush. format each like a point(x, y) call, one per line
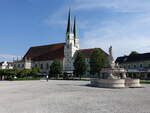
point(43, 56)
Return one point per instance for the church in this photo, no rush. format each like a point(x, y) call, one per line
point(43, 56)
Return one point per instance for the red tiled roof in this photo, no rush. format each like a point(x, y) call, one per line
point(133, 58)
point(51, 52)
point(87, 52)
point(46, 52)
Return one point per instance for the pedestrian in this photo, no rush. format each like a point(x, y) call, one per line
point(47, 78)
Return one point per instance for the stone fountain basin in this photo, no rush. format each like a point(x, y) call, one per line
point(113, 70)
point(132, 83)
point(115, 83)
point(108, 83)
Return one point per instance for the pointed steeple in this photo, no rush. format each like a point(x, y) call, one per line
point(69, 23)
point(75, 28)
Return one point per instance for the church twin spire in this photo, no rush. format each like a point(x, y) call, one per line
point(69, 28)
point(75, 28)
point(69, 22)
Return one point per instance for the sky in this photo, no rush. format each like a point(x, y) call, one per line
point(122, 24)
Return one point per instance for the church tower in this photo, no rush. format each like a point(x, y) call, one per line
point(76, 39)
point(71, 46)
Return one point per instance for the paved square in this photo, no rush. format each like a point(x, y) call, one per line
point(70, 97)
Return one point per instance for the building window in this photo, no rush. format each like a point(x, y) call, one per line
point(134, 66)
point(18, 65)
point(41, 66)
point(124, 66)
point(141, 65)
point(129, 66)
point(35, 65)
point(47, 66)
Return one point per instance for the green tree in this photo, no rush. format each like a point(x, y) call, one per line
point(15, 72)
point(35, 71)
point(133, 53)
point(55, 68)
point(1, 73)
point(98, 60)
point(24, 72)
point(79, 65)
point(8, 73)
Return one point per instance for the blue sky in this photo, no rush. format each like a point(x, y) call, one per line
point(124, 24)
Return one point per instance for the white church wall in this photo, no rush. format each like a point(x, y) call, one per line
point(44, 65)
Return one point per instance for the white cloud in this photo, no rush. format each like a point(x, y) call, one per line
point(115, 5)
point(57, 18)
point(124, 36)
point(127, 34)
point(6, 57)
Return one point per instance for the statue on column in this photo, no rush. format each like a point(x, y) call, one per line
point(111, 59)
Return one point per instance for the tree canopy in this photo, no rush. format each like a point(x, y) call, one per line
point(55, 68)
point(133, 53)
point(19, 73)
point(79, 64)
point(98, 60)
point(35, 71)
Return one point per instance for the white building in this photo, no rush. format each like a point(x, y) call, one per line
point(6, 65)
point(43, 56)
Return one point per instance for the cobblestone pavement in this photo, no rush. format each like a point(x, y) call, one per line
point(70, 97)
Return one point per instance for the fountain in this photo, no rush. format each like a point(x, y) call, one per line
point(113, 76)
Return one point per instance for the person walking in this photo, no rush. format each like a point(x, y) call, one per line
point(47, 78)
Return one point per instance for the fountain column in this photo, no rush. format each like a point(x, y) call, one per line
point(111, 63)
point(124, 75)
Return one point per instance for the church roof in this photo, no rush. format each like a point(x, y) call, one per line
point(133, 58)
point(53, 51)
point(46, 52)
point(87, 52)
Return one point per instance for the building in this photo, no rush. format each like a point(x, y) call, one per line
point(6, 65)
point(43, 56)
point(137, 65)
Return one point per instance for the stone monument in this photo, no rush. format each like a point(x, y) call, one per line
point(113, 76)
